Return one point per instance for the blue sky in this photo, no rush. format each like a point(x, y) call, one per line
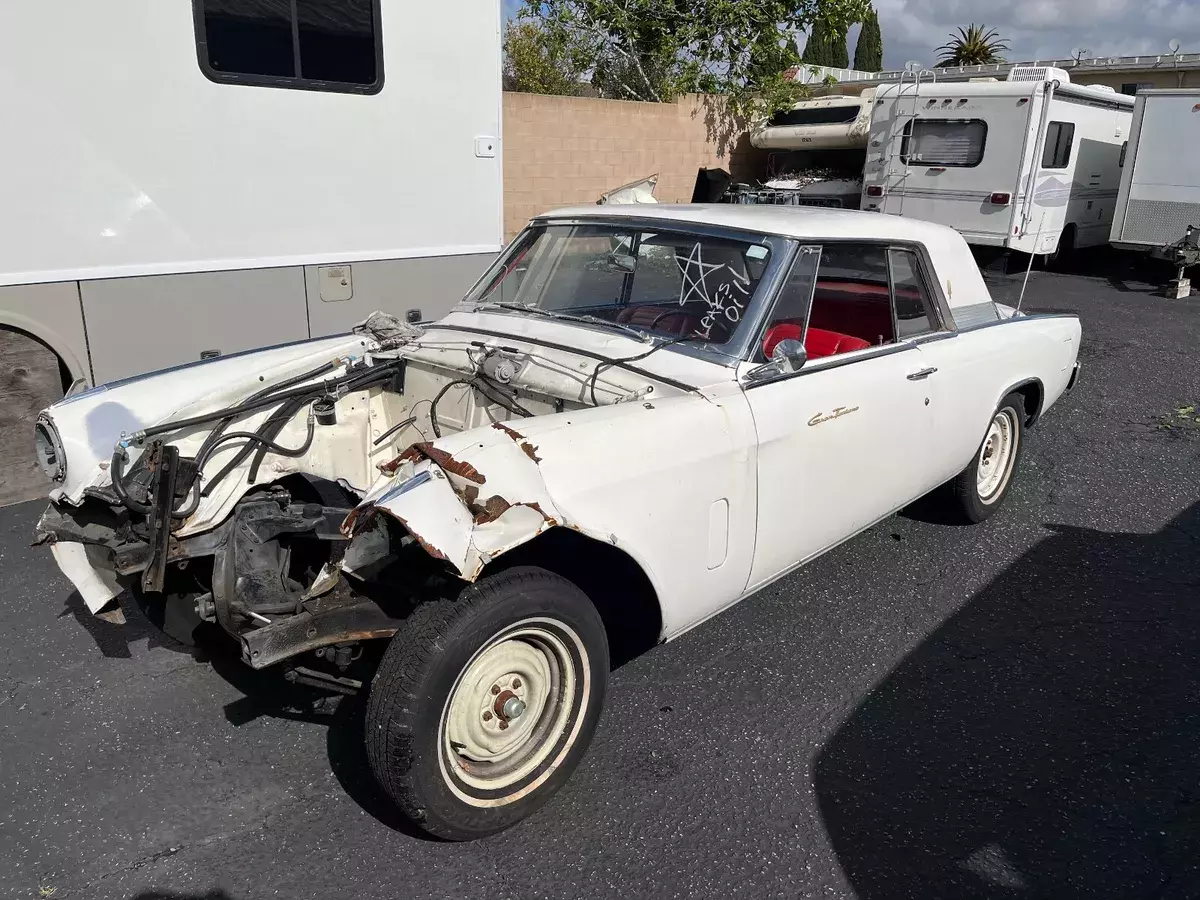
point(1036, 29)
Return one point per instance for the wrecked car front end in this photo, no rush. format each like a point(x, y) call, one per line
point(296, 497)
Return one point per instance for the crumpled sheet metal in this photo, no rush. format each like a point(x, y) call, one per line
point(465, 514)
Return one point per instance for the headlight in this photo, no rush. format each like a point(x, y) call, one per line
point(48, 447)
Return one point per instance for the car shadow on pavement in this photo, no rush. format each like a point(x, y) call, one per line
point(267, 693)
point(171, 895)
point(1043, 742)
point(114, 638)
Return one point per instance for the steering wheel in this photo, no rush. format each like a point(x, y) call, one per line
point(660, 317)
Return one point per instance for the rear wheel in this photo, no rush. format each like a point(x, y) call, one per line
point(977, 491)
point(1064, 252)
point(483, 705)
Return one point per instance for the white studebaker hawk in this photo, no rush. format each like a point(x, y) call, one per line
point(637, 417)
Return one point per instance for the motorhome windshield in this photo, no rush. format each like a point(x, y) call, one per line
point(816, 115)
point(668, 283)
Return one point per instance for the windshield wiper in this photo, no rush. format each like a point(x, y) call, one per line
point(641, 335)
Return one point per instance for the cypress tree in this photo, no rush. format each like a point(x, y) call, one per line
point(868, 52)
point(826, 47)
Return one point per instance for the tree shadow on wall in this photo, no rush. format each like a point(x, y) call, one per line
point(730, 136)
point(1044, 742)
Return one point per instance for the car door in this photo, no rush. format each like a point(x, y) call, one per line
point(842, 440)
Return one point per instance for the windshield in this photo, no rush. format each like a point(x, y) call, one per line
point(673, 284)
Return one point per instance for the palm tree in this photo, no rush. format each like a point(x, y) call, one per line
point(974, 45)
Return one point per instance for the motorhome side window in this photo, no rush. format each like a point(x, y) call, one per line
point(944, 142)
point(1059, 136)
point(331, 45)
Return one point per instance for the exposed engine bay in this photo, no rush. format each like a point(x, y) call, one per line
point(255, 508)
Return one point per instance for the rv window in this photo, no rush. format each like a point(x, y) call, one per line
point(914, 314)
point(1132, 87)
point(820, 115)
point(1059, 136)
point(1121, 159)
point(331, 45)
point(944, 142)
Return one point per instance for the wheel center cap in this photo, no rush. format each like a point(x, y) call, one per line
point(508, 706)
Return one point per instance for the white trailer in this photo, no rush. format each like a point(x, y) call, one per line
point(1029, 164)
point(1158, 207)
point(187, 179)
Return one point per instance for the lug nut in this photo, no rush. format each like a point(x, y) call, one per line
point(503, 725)
point(487, 717)
point(495, 689)
point(516, 682)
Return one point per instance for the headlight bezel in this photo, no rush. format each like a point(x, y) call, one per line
point(48, 448)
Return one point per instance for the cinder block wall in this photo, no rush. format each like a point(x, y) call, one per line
point(565, 150)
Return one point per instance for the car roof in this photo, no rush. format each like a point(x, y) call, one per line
point(800, 222)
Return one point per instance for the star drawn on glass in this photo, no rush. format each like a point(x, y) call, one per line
point(695, 270)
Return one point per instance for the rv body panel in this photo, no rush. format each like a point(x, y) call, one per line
point(1160, 181)
point(976, 157)
point(186, 211)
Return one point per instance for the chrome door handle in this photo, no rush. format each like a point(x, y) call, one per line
point(921, 373)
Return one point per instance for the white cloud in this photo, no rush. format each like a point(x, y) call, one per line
point(1040, 29)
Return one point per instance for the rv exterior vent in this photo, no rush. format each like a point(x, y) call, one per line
point(1107, 88)
point(982, 80)
point(1039, 73)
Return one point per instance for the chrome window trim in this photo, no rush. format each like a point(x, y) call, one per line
point(1015, 319)
point(835, 362)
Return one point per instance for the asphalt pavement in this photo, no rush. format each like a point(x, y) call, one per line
point(1008, 710)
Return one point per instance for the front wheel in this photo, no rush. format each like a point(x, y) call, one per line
point(977, 491)
point(484, 704)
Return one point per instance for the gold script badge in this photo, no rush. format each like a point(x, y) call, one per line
point(836, 414)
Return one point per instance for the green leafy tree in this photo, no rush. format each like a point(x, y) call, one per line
point(868, 52)
point(657, 49)
point(974, 45)
point(827, 45)
point(539, 60)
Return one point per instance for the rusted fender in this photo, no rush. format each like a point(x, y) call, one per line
point(465, 513)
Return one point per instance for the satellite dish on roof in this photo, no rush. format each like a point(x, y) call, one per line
point(1079, 53)
point(1173, 45)
point(912, 66)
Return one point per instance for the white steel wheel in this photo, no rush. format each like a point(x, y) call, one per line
point(997, 455)
point(484, 703)
point(977, 491)
point(515, 704)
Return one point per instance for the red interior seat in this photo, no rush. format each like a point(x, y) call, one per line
point(817, 343)
point(853, 308)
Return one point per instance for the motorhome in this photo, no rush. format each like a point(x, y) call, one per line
point(189, 179)
point(1031, 163)
point(816, 150)
point(1158, 207)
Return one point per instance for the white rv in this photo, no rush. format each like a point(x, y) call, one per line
point(191, 178)
point(1160, 180)
point(1029, 164)
point(816, 150)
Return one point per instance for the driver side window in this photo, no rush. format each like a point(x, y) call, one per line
point(861, 295)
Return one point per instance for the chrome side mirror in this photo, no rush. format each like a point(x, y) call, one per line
point(788, 356)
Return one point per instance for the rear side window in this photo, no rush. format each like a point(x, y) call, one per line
point(331, 45)
point(1059, 136)
point(944, 142)
point(914, 310)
